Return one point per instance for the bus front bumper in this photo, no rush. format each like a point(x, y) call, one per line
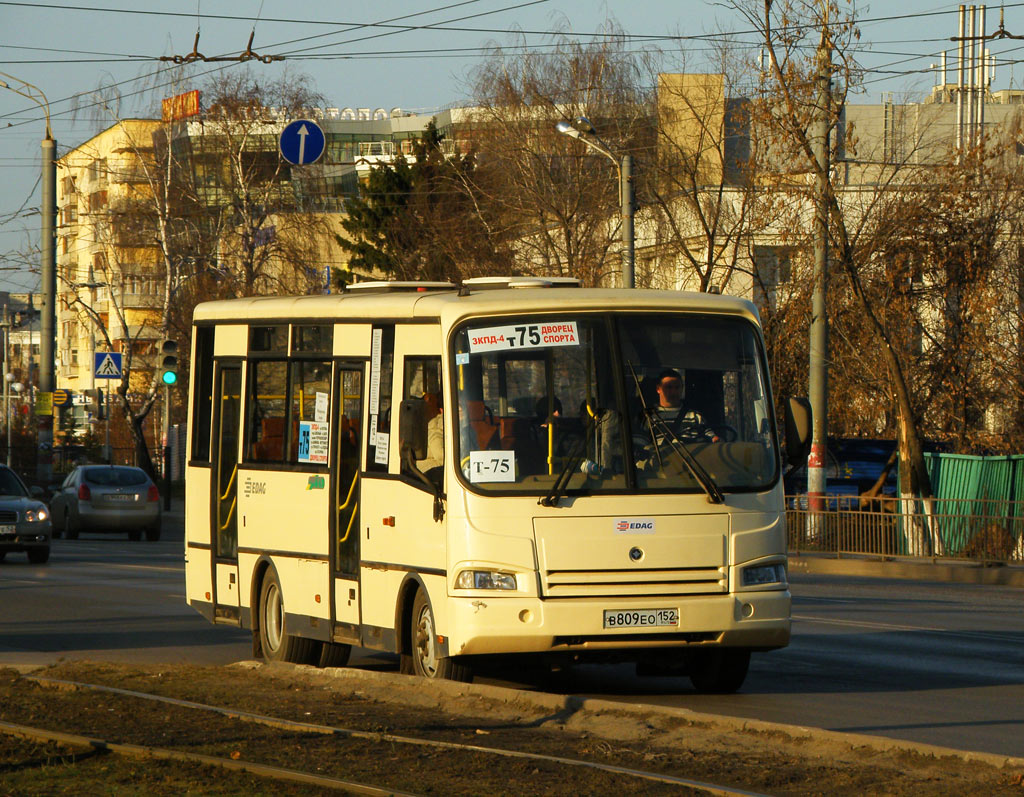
point(491, 624)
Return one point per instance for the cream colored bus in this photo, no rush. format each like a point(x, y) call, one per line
point(508, 466)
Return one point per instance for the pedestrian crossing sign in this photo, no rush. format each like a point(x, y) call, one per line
point(107, 365)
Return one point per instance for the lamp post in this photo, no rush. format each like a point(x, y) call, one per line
point(586, 133)
point(16, 387)
point(47, 270)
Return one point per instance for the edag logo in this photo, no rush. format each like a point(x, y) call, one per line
point(634, 526)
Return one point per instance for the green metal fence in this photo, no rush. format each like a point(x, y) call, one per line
point(953, 528)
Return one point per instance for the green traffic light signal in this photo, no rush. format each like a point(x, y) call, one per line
point(169, 362)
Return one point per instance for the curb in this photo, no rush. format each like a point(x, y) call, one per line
point(557, 704)
point(958, 573)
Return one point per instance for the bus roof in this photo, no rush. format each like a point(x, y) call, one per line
point(450, 306)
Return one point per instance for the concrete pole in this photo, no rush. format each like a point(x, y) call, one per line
point(961, 54)
point(628, 239)
point(6, 324)
point(818, 387)
point(982, 69)
point(971, 73)
point(48, 320)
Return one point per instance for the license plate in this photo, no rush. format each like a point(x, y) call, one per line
point(640, 618)
point(119, 497)
point(8, 529)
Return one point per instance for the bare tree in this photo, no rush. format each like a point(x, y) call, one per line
point(265, 218)
point(700, 179)
point(557, 199)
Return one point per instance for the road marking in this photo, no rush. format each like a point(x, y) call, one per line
point(896, 627)
point(866, 624)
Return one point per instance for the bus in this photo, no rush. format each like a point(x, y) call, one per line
point(453, 473)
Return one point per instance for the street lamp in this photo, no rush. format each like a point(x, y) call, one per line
point(16, 387)
point(48, 271)
point(586, 133)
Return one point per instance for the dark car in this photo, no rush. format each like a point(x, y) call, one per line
point(24, 519)
point(107, 498)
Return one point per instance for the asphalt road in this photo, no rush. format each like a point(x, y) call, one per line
point(935, 663)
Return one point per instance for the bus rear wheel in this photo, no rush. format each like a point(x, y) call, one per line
point(427, 660)
point(719, 671)
point(275, 641)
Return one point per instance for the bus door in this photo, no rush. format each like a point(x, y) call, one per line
point(348, 422)
point(224, 493)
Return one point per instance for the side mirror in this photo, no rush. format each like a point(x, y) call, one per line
point(798, 430)
point(37, 491)
point(412, 428)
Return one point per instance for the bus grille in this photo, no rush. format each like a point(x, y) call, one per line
point(627, 583)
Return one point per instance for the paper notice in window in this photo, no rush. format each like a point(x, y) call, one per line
point(381, 456)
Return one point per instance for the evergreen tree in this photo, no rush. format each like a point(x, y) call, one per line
point(417, 221)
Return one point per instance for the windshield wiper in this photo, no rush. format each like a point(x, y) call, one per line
point(572, 463)
point(704, 479)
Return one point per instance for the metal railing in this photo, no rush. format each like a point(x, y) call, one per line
point(943, 528)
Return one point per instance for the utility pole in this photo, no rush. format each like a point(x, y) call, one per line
point(48, 321)
point(818, 387)
point(627, 210)
point(6, 325)
point(48, 272)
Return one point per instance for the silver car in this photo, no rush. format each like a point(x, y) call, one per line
point(24, 520)
point(107, 498)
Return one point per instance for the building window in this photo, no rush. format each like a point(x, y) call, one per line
point(97, 201)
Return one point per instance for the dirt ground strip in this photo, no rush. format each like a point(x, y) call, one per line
point(769, 762)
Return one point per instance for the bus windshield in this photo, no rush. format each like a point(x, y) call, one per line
point(584, 403)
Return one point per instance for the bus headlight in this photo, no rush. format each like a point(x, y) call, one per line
point(485, 579)
point(762, 575)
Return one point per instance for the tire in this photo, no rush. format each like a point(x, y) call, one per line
point(275, 641)
point(427, 662)
point(334, 654)
point(2, 555)
point(70, 526)
point(153, 533)
point(720, 671)
point(135, 535)
point(39, 556)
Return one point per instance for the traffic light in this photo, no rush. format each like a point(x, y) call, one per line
point(96, 407)
point(169, 361)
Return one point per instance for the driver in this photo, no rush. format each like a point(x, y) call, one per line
point(671, 410)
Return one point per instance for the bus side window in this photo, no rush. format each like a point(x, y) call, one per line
point(382, 357)
point(310, 401)
point(267, 387)
point(422, 382)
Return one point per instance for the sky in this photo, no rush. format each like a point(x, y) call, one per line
point(389, 53)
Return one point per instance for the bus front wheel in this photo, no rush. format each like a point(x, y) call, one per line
point(719, 671)
point(277, 644)
point(427, 660)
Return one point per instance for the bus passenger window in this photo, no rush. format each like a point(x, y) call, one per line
point(310, 407)
point(422, 381)
point(267, 386)
point(382, 357)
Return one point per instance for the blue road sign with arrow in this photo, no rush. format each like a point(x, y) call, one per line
point(302, 142)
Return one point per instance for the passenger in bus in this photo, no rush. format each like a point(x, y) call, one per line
point(432, 465)
point(543, 415)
